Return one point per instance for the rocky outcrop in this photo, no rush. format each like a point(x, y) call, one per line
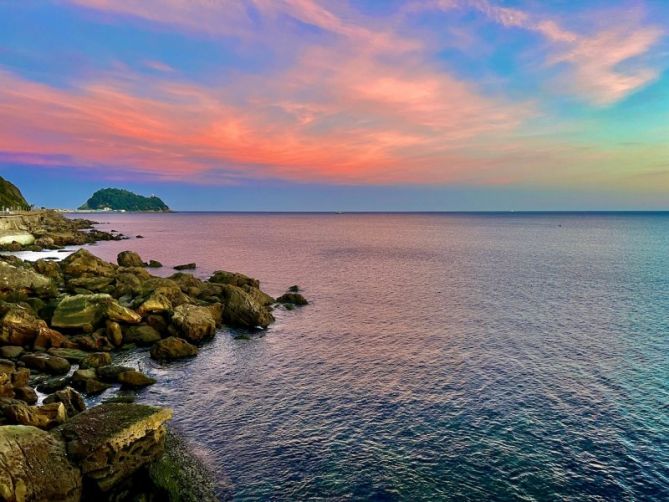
point(34, 467)
point(110, 442)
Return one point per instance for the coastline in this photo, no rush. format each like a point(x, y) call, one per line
point(62, 323)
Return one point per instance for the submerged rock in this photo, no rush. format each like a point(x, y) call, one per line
point(110, 442)
point(234, 279)
point(154, 264)
point(173, 348)
point(186, 266)
point(34, 467)
point(293, 299)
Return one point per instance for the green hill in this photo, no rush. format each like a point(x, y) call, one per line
point(11, 197)
point(123, 200)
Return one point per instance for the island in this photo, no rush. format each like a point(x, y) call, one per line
point(117, 199)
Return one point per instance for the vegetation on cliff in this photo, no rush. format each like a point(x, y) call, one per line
point(123, 200)
point(11, 197)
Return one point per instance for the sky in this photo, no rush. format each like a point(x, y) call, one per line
point(411, 105)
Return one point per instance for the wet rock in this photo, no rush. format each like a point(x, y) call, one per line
point(43, 417)
point(96, 360)
point(293, 299)
point(186, 266)
point(259, 296)
point(129, 259)
point(234, 279)
point(156, 303)
point(86, 312)
point(34, 467)
point(154, 264)
point(25, 394)
point(294, 289)
point(71, 399)
point(11, 352)
point(46, 363)
point(173, 348)
point(87, 382)
point(53, 384)
point(112, 441)
point(242, 310)
point(110, 373)
point(134, 379)
point(115, 333)
point(194, 323)
point(141, 335)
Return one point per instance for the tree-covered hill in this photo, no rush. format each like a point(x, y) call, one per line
point(123, 200)
point(11, 197)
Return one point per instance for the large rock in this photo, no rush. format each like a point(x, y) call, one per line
point(47, 363)
point(71, 399)
point(84, 263)
point(34, 467)
point(110, 442)
point(135, 379)
point(87, 312)
point(142, 334)
point(157, 303)
point(234, 279)
point(20, 326)
point(194, 323)
point(173, 348)
point(242, 310)
point(293, 299)
point(24, 280)
point(129, 259)
point(15, 412)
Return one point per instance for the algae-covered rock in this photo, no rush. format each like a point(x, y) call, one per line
point(87, 312)
point(34, 467)
point(129, 259)
point(24, 280)
point(194, 323)
point(173, 348)
point(179, 476)
point(112, 441)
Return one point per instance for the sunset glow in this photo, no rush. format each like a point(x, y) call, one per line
point(475, 93)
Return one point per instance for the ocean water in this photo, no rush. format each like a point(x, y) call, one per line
point(443, 356)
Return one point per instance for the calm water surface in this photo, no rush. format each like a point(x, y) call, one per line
point(443, 357)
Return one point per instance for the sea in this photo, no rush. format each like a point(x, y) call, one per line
point(442, 356)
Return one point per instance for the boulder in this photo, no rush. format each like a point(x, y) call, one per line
point(129, 259)
point(110, 442)
point(157, 303)
point(43, 417)
point(242, 310)
point(259, 296)
point(141, 335)
point(194, 323)
point(34, 467)
point(20, 326)
point(86, 381)
point(84, 263)
point(173, 348)
point(24, 280)
point(96, 360)
point(134, 379)
point(110, 373)
point(293, 299)
point(234, 279)
point(114, 333)
point(71, 399)
point(46, 363)
point(86, 312)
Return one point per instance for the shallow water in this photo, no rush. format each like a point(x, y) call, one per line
point(451, 357)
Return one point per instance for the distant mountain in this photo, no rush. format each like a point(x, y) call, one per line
point(123, 200)
point(11, 197)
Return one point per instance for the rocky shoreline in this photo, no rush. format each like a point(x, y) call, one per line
point(61, 324)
